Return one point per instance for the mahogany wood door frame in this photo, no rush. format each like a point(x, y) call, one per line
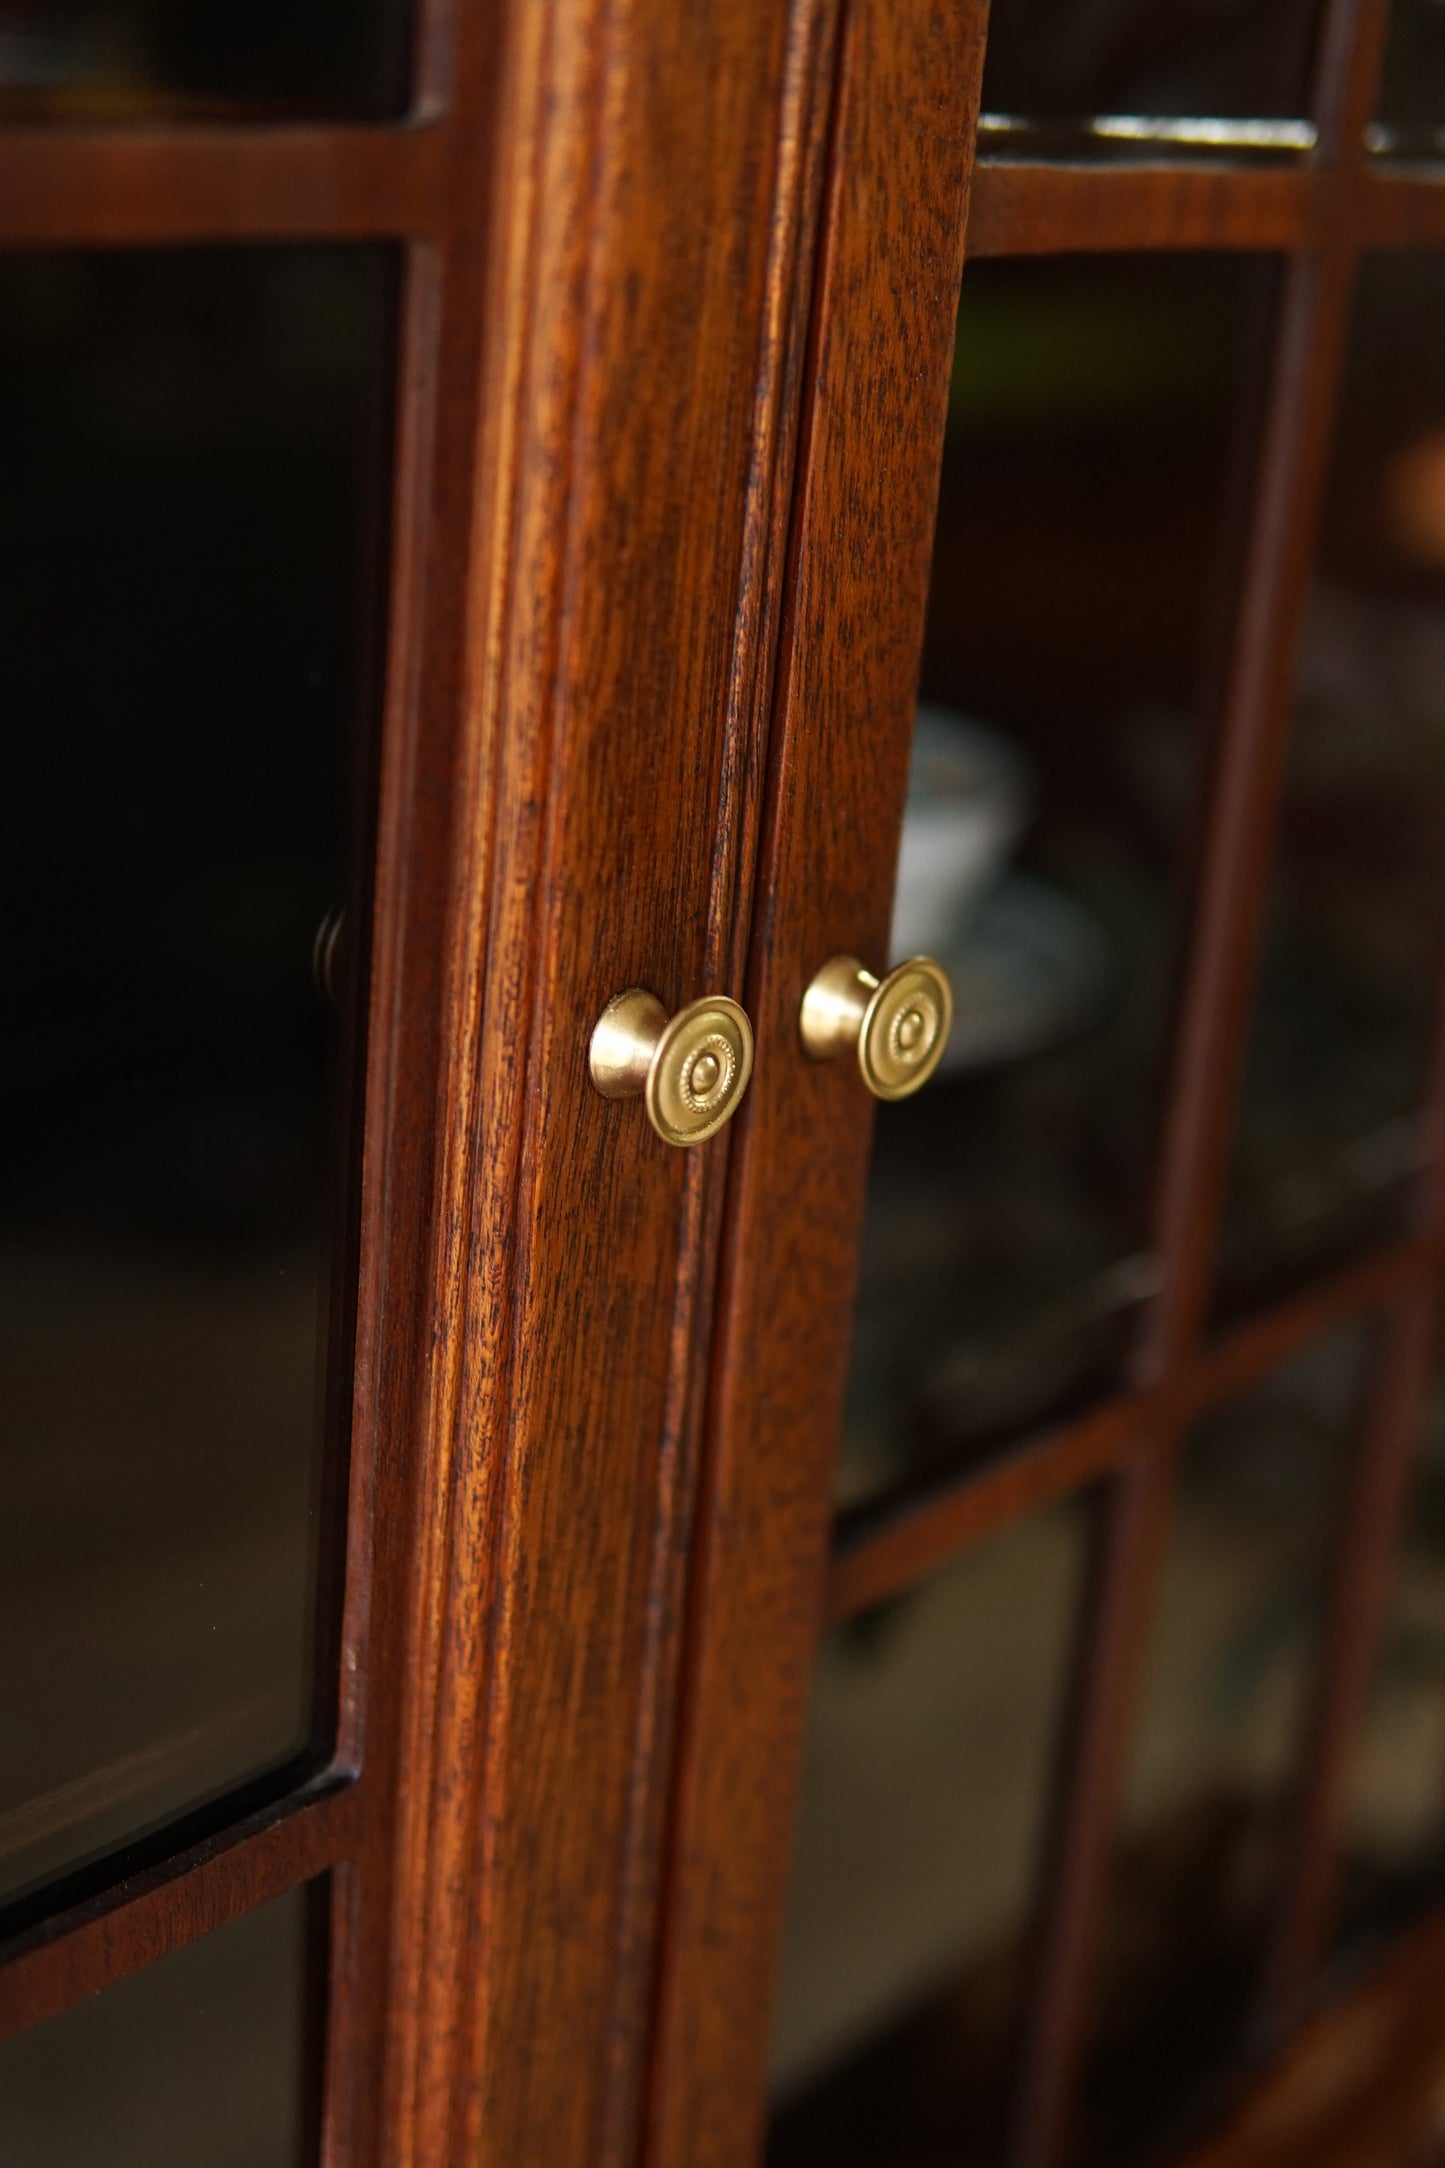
point(606, 210)
point(888, 278)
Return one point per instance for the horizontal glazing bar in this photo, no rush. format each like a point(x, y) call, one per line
point(77, 1953)
point(111, 188)
point(1020, 209)
point(1040, 210)
point(883, 1551)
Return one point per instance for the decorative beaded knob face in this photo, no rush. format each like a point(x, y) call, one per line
point(897, 1027)
point(691, 1069)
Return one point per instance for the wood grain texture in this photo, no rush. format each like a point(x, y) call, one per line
point(636, 275)
point(539, 1951)
point(869, 474)
point(803, 128)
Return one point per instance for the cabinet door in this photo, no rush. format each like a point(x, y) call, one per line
point(394, 405)
point(1056, 1544)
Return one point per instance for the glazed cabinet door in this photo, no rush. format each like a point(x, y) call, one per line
point(1064, 1722)
point(396, 403)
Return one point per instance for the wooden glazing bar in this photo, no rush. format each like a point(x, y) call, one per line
point(1401, 208)
point(882, 1551)
point(1252, 1350)
point(1129, 1550)
point(94, 188)
point(76, 1953)
point(1020, 209)
point(1250, 767)
point(1307, 360)
point(1359, 1599)
point(1043, 210)
point(886, 1551)
point(1360, 1593)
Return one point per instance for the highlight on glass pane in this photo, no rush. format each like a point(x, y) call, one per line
point(932, 1745)
point(196, 446)
point(208, 2058)
point(1188, 79)
point(113, 60)
point(1329, 1136)
point(1229, 1659)
point(1100, 431)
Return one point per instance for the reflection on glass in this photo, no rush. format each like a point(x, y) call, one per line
point(1227, 1673)
point(1394, 1824)
point(203, 2060)
point(1083, 577)
point(193, 447)
point(113, 59)
point(929, 1754)
point(1327, 1137)
point(1410, 117)
point(1132, 76)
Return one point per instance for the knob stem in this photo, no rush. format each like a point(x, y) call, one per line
point(834, 1007)
point(624, 1041)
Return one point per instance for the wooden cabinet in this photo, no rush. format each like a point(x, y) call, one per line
point(518, 516)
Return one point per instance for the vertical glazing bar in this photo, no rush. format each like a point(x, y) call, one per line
point(1258, 705)
point(1358, 1598)
point(1368, 1547)
point(1251, 760)
point(1129, 1546)
point(1298, 417)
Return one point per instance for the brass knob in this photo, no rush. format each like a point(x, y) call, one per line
point(691, 1069)
point(898, 1026)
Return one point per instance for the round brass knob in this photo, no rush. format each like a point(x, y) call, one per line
point(691, 1069)
point(898, 1026)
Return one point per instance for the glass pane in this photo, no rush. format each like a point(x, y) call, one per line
point(1411, 114)
point(121, 59)
point(1394, 1832)
point(930, 1749)
point(1135, 77)
point(1087, 547)
point(201, 2061)
point(193, 445)
point(1227, 1674)
point(1327, 1138)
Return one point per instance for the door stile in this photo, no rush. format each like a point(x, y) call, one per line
point(428, 786)
point(640, 355)
point(804, 113)
point(873, 435)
